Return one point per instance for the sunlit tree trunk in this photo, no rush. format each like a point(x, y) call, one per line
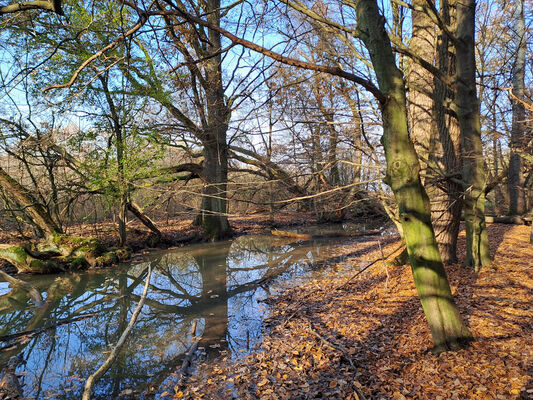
point(468, 115)
point(434, 131)
point(516, 199)
point(447, 328)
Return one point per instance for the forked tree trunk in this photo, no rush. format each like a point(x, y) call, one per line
point(468, 115)
point(447, 328)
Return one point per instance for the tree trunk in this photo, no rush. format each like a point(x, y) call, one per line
point(213, 216)
point(116, 125)
point(447, 328)
point(122, 215)
point(468, 115)
point(35, 210)
point(516, 199)
point(421, 86)
point(446, 153)
point(434, 132)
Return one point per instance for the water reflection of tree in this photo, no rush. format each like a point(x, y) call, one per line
point(188, 286)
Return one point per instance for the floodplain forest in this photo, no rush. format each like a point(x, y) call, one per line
point(361, 169)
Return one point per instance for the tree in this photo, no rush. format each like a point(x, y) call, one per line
point(468, 115)
point(403, 177)
point(57, 251)
point(516, 195)
point(433, 126)
point(209, 118)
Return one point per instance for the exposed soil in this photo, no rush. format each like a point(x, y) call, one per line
point(353, 337)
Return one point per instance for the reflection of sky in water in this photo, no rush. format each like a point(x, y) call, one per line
point(217, 285)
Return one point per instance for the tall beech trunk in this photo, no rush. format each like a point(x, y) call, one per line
point(446, 153)
point(434, 131)
point(516, 192)
point(468, 115)
point(421, 86)
point(447, 328)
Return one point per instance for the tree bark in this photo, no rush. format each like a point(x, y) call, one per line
point(213, 216)
point(516, 191)
point(447, 328)
point(434, 131)
point(446, 152)
point(468, 115)
point(35, 210)
point(141, 216)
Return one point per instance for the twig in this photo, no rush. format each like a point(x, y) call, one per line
point(113, 355)
point(368, 266)
point(35, 332)
point(338, 347)
point(384, 266)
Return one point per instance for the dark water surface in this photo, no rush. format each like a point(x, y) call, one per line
point(214, 289)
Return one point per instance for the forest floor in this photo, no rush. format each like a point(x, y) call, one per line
point(349, 336)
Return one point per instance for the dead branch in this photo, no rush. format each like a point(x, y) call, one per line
point(116, 350)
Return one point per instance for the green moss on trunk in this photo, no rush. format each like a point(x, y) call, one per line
point(447, 328)
point(63, 253)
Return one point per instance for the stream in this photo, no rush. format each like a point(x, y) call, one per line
point(209, 292)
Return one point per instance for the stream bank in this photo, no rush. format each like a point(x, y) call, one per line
point(211, 294)
point(350, 336)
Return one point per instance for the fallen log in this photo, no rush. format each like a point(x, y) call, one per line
point(307, 236)
point(60, 252)
point(303, 236)
point(507, 219)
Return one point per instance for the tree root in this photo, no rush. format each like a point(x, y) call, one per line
point(60, 253)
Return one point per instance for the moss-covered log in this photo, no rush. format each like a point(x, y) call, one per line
point(59, 253)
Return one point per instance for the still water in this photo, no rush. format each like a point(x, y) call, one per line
point(211, 292)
